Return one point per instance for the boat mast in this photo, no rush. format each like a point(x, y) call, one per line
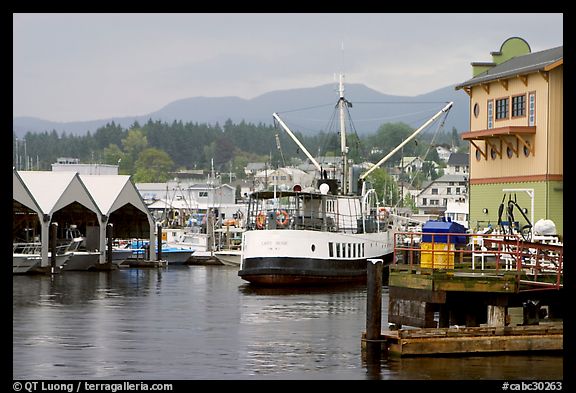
point(423, 126)
point(343, 148)
point(300, 145)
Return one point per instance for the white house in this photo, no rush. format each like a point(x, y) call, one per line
point(434, 197)
point(67, 164)
point(283, 178)
point(458, 164)
point(411, 164)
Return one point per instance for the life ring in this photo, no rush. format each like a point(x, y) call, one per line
point(260, 220)
point(383, 213)
point(282, 218)
point(229, 222)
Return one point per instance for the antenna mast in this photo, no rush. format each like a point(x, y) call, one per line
point(343, 148)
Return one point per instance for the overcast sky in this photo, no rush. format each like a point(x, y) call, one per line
point(69, 67)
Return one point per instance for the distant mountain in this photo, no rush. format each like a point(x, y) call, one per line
point(370, 109)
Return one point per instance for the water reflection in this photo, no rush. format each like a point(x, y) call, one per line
point(248, 289)
point(481, 367)
point(204, 322)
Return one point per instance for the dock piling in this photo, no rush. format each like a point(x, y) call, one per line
point(53, 245)
point(110, 238)
point(373, 310)
point(159, 241)
point(374, 299)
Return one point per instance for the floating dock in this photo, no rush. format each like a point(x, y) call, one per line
point(470, 340)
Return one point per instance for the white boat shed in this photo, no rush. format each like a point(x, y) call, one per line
point(87, 201)
point(121, 205)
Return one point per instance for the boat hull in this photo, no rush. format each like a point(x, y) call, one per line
point(172, 255)
point(177, 257)
point(82, 261)
point(303, 271)
point(30, 264)
point(204, 258)
point(229, 258)
point(285, 257)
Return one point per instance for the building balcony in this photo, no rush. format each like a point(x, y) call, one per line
point(513, 137)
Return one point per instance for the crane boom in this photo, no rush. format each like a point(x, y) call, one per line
point(443, 110)
point(300, 145)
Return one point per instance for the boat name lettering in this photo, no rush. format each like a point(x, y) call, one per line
point(277, 243)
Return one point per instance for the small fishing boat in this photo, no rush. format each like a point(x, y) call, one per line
point(27, 257)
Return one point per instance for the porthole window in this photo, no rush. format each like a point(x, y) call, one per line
point(478, 155)
point(313, 247)
point(509, 152)
point(526, 151)
point(476, 110)
point(493, 153)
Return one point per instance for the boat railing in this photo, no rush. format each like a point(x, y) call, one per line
point(291, 218)
point(536, 264)
point(36, 247)
point(26, 248)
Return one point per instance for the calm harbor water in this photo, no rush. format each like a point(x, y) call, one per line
point(204, 322)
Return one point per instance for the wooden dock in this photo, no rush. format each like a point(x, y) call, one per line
point(466, 305)
point(470, 340)
point(143, 263)
point(463, 284)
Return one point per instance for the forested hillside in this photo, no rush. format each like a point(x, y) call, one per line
point(149, 151)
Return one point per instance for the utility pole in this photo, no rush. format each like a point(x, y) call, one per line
point(17, 152)
point(25, 156)
point(401, 180)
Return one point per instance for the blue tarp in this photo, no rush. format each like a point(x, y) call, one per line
point(442, 226)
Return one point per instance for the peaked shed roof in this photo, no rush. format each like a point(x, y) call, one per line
point(54, 190)
point(22, 194)
point(111, 192)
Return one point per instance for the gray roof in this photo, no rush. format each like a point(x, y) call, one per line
point(451, 178)
point(207, 186)
point(445, 179)
point(460, 159)
point(255, 166)
point(519, 65)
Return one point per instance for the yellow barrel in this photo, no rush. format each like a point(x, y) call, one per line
point(441, 258)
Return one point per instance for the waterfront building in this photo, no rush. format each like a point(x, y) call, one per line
point(89, 202)
point(516, 133)
point(70, 164)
